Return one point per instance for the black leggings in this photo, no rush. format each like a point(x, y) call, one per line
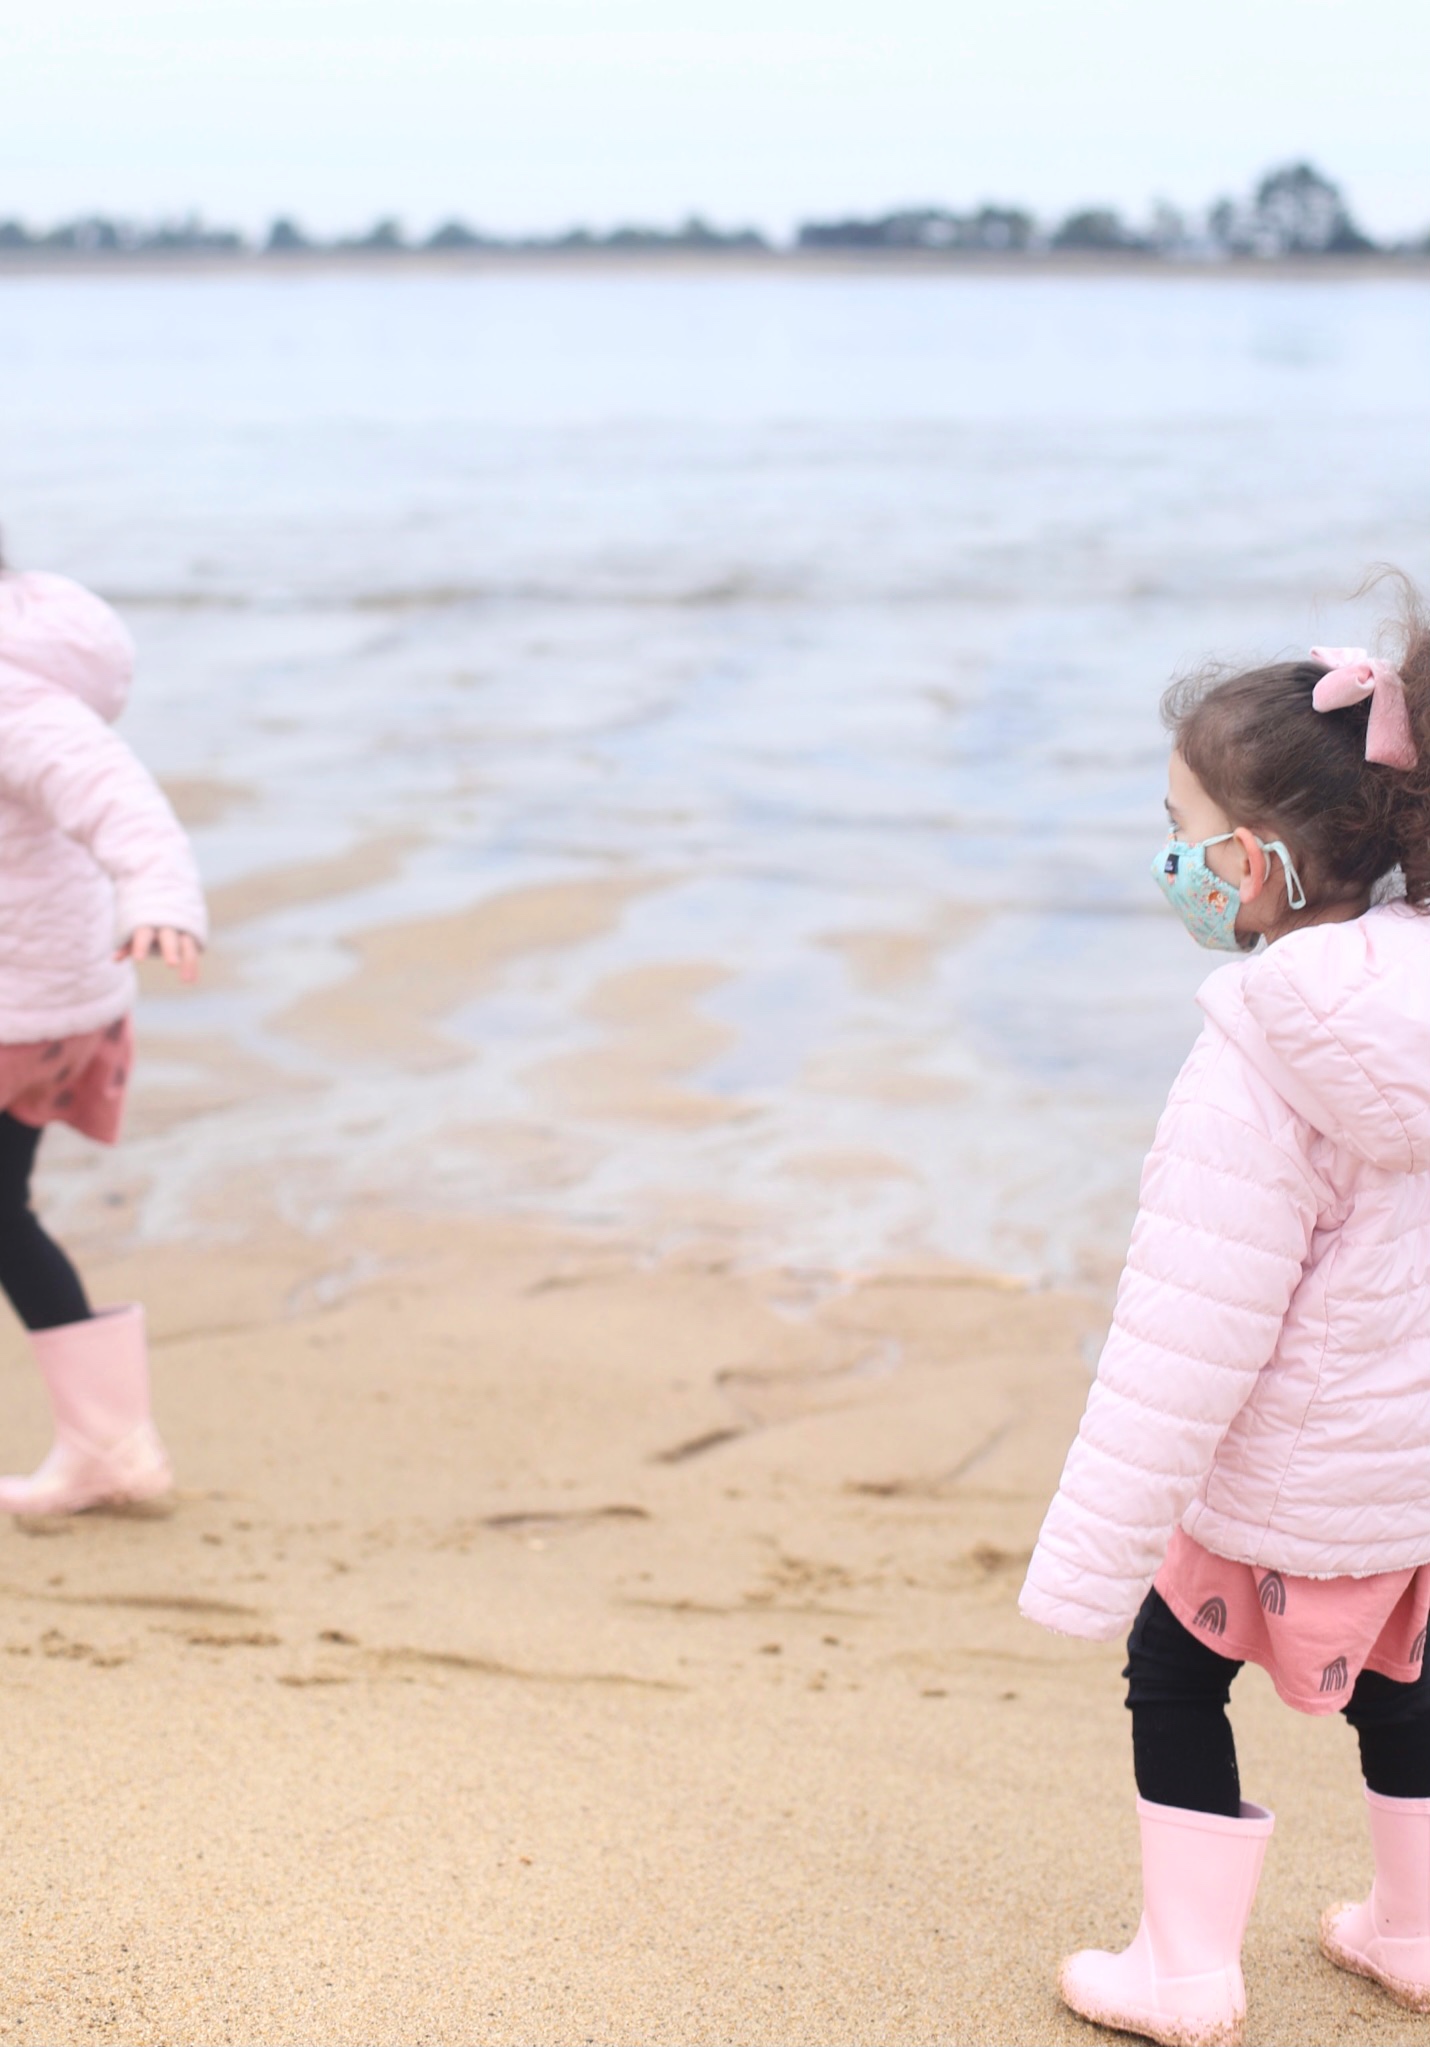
point(43, 1287)
point(1183, 1754)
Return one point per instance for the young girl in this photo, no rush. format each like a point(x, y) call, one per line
point(1251, 1480)
point(91, 859)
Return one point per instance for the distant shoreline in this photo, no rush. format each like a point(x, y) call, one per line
point(1082, 264)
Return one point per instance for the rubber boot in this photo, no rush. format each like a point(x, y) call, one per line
point(106, 1450)
point(1180, 1981)
point(1388, 1936)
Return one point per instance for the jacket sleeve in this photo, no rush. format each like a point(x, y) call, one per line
point(1227, 1213)
point(60, 758)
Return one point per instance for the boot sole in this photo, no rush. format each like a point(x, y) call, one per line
point(156, 1506)
point(1409, 1996)
point(1165, 2033)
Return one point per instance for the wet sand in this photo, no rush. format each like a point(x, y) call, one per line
point(553, 1641)
point(408, 975)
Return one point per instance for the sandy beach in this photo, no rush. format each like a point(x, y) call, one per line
point(556, 1641)
point(628, 1217)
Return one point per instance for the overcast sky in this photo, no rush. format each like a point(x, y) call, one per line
point(538, 113)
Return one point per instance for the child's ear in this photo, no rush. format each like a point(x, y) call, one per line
point(1255, 867)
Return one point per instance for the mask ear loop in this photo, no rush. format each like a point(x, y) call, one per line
point(1295, 893)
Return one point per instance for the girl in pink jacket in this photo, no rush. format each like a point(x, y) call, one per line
point(1251, 1479)
point(95, 872)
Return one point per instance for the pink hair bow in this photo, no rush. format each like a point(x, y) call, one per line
point(1355, 676)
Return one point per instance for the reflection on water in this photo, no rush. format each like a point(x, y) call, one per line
point(832, 611)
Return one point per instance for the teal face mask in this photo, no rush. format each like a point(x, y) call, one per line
point(1206, 904)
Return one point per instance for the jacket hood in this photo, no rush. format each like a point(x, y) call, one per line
point(56, 631)
point(1337, 1019)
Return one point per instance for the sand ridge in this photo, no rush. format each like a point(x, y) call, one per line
point(408, 975)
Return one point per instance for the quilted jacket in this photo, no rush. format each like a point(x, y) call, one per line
point(1266, 1382)
point(89, 847)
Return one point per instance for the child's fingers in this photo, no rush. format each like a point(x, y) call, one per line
point(177, 949)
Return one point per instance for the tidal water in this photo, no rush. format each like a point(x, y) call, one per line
point(834, 607)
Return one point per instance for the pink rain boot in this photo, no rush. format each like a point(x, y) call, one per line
point(1180, 1981)
point(106, 1450)
point(1388, 1937)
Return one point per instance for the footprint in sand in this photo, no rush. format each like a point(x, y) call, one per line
point(696, 1446)
point(254, 1638)
point(60, 1647)
point(555, 1518)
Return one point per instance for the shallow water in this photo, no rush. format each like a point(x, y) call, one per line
point(838, 606)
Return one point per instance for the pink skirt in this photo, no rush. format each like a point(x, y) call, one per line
point(80, 1081)
point(1312, 1636)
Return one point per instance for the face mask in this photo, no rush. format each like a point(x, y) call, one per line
point(1206, 904)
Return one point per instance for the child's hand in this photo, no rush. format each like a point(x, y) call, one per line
point(177, 949)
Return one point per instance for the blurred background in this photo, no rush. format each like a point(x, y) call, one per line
point(656, 536)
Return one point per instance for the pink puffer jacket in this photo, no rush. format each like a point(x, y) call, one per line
point(89, 847)
point(1266, 1382)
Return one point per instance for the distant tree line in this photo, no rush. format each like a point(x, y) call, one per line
point(95, 234)
point(1294, 210)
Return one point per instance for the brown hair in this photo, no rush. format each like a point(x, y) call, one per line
point(1272, 762)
